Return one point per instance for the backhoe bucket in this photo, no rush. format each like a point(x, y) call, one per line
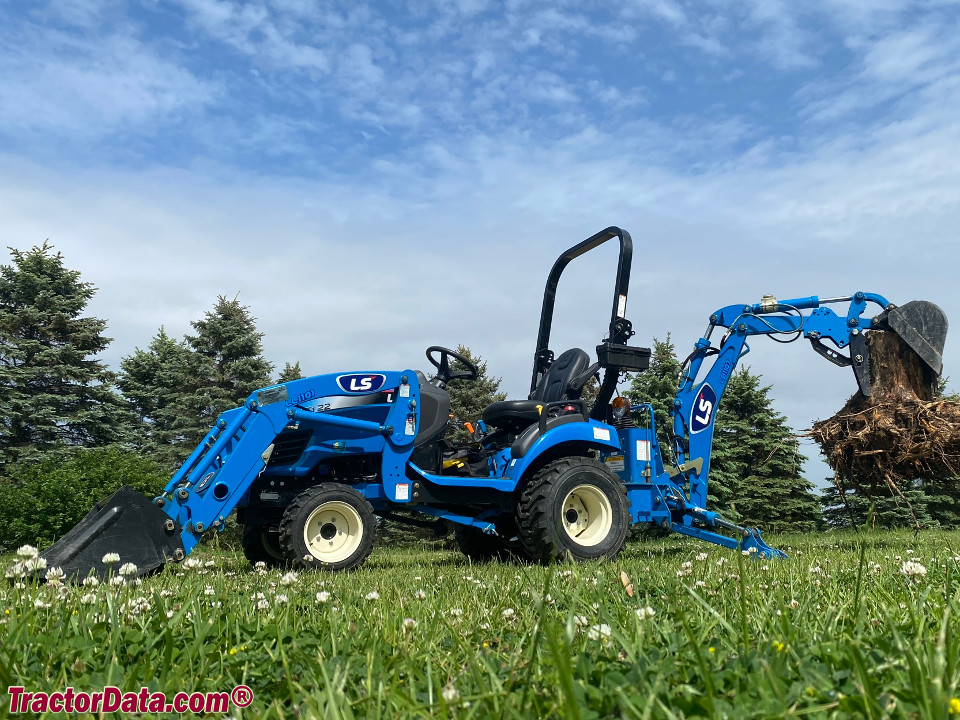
point(126, 523)
point(921, 325)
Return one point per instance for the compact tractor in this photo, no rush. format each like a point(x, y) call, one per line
point(309, 465)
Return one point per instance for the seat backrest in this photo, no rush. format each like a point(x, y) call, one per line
point(555, 383)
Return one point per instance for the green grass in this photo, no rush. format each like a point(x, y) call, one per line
point(838, 630)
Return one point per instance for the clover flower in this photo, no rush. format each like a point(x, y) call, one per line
point(645, 613)
point(409, 624)
point(599, 632)
point(372, 595)
point(508, 614)
point(913, 570)
point(35, 563)
point(128, 569)
point(27, 551)
point(323, 596)
point(289, 579)
point(55, 575)
point(111, 559)
point(450, 692)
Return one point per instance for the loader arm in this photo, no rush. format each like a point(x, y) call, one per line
point(697, 400)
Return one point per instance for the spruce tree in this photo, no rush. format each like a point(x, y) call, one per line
point(757, 464)
point(152, 381)
point(845, 508)
point(468, 398)
point(53, 391)
point(290, 372)
point(226, 365)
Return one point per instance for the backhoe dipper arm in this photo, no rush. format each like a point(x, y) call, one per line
point(697, 399)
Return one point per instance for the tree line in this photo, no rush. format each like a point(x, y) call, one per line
point(72, 430)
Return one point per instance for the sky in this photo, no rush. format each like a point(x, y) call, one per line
point(372, 178)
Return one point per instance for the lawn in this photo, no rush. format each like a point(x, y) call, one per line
point(849, 626)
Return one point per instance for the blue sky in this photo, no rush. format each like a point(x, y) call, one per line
point(373, 178)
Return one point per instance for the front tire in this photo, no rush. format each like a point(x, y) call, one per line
point(330, 526)
point(576, 507)
point(261, 545)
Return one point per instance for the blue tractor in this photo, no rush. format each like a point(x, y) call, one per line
point(309, 465)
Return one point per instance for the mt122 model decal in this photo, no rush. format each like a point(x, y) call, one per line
point(361, 383)
point(703, 409)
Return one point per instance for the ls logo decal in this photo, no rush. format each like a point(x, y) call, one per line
point(361, 383)
point(703, 409)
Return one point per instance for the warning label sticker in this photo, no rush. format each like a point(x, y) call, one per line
point(601, 434)
point(643, 450)
point(403, 491)
point(615, 463)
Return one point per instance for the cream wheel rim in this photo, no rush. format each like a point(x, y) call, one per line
point(333, 532)
point(587, 515)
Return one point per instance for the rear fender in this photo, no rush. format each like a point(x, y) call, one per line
point(579, 435)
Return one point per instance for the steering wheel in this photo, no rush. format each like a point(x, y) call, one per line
point(444, 374)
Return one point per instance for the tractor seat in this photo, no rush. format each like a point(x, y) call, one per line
point(555, 385)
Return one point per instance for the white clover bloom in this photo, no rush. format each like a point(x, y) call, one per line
point(289, 579)
point(35, 563)
point(91, 581)
point(281, 599)
point(323, 596)
point(27, 552)
point(409, 624)
point(450, 692)
point(88, 599)
point(645, 613)
point(111, 559)
point(580, 620)
point(484, 626)
point(117, 581)
point(913, 570)
point(210, 563)
point(508, 614)
point(794, 604)
point(701, 557)
point(169, 614)
point(372, 595)
point(420, 595)
point(17, 570)
point(55, 575)
point(38, 603)
point(192, 563)
point(599, 632)
point(208, 590)
point(263, 604)
point(456, 612)
point(753, 551)
point(128, 569)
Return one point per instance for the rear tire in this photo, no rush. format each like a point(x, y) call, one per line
point(481, 547)
point(330, 526)
point(261, 545)
point(576, 507)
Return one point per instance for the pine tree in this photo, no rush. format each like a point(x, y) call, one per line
point(757, 462)
point(152, 381)
point(468, 398)
point(54, 393)
point(658, 386)
point(844, 508)
point(290, 372)
point(226, 365)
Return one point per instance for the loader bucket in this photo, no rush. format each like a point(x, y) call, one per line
point(126, 523)
point(923, 326)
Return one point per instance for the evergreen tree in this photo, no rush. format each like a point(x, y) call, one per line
point(226, 365)
point(152, 381)
point(658, 386)
point(844, 508)
point(757, 462)
point(290, 372)
point(54, 393)
point(468, 398)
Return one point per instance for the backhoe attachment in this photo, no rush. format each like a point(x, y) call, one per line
point(922, 326)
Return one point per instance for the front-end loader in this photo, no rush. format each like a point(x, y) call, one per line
point(308, 465)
